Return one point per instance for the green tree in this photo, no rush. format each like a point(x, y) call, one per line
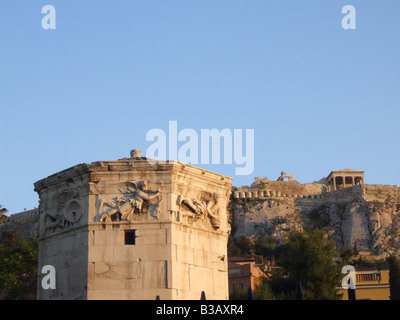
point(238, 293)
point(9, 239)
point(3, 212)
point(394, 277)
point(282, 286)
point(245, 245)
point(308, 258)
point(346, 254)
point(263, 290)
point(265, 246)
point(233, 249)
point(18, 267)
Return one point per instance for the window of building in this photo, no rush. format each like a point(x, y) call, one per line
point(130, 237)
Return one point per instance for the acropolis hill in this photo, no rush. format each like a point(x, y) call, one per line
point(355, 215)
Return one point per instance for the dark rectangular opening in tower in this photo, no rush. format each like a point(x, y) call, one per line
point(130, 237)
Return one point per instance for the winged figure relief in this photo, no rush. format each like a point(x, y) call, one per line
point(206, 207)
point(132, 198)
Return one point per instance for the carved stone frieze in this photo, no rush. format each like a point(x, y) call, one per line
point(133, 198)
point(68, 211)
point(206, 207)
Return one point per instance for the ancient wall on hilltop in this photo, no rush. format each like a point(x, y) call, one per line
point(278, 188)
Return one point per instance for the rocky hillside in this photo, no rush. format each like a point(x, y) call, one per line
point(364, 217)
point(25, 223)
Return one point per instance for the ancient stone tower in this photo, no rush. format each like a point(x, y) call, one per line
point(134, 229)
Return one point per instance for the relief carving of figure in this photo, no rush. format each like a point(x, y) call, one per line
point(68, 211)
point(207, 207)
point(134, 196)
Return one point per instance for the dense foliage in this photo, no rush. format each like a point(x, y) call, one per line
point(18, 267)
point(308, 258)
point(394, 276)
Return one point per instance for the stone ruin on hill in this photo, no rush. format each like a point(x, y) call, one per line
point(354, 214)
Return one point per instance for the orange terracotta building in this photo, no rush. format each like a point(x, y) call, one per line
point(244, 273)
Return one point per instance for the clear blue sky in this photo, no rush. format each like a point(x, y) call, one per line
point(320, 98)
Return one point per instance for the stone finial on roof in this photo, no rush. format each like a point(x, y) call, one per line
point(136, 153)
